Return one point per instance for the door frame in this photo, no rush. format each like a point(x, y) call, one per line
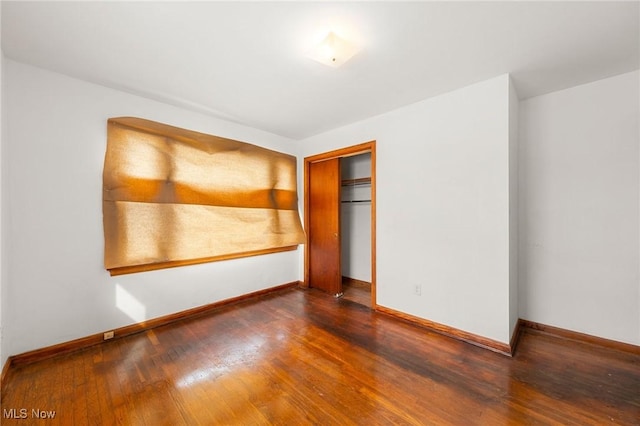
point(363, 148)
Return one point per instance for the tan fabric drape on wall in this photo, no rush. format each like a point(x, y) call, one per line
point(174, 195)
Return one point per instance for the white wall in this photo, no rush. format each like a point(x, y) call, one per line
point(356, 220)
point(3, 357)
point(580, 198)
point(55, 137)
point(442, 168)
point(514, 200)
point(444, 197)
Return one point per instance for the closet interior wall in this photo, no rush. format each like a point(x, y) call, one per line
point(356, 217)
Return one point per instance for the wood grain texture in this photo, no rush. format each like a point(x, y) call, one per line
point(365, 147)
point(372, 148)
point(462, 335)
point(356, 291)
point(324, 226)
point(95, 339)
point(173, 264)
point(301, 357)
point(581, 337)
point(515, 336)
point(356, 283)
point(343, 152)
point(356, 181)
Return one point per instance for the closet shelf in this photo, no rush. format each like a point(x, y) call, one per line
point(356, 181)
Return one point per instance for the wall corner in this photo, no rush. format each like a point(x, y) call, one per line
point(513, 208)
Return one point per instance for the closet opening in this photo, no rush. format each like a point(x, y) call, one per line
point(355, 223)
point(339, 191)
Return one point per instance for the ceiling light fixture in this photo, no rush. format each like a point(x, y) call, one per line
point(333, 51)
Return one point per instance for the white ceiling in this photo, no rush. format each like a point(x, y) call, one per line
point(246, 62)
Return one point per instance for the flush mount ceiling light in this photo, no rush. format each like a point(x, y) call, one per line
point(333, 51)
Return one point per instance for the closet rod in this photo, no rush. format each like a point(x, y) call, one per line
point(356, 181)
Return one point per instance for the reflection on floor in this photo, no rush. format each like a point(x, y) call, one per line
point(301, 357)
point(356, 291)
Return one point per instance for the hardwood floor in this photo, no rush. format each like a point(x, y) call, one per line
point(302, 357)
point(356, 291)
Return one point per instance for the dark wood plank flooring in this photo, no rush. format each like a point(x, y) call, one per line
point(357, 291)
point(302, 357)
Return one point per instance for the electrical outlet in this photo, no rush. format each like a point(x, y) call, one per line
point(417, 289)
point(108, 335)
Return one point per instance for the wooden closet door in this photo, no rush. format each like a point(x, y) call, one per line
point(324, 226)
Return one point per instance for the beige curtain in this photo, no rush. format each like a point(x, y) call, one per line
point(173, 196)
